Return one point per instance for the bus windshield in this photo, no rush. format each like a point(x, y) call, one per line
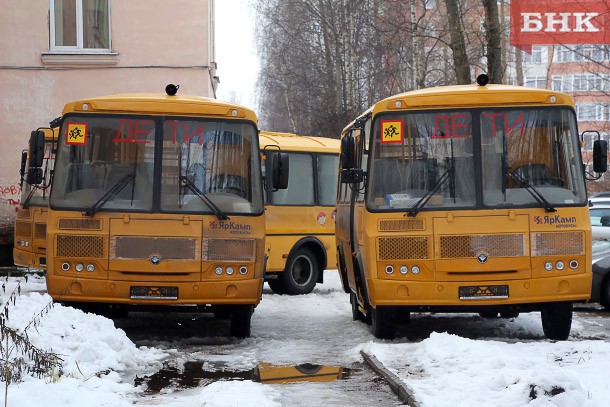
point(107, 163)
point(468, 158)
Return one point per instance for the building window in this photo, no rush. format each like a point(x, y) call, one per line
point(589, 112)
point(535, 82)
point(80, 25)
point(539, 55)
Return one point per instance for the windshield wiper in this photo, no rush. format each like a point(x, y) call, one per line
point(112, 192)
point(186, 183)
point(532, 190)
point(424, 199)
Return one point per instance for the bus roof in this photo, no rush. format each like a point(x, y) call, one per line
point(467, 96)
point(294, 142)
point(161, 104)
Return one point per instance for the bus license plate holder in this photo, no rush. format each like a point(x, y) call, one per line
point(483, 292)
point(153, 293)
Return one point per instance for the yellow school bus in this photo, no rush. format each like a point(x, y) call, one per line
point(301, 218)
point(30, 243)
point(465, 199)
point(157, 200)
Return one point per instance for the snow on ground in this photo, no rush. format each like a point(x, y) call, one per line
point(443, 369)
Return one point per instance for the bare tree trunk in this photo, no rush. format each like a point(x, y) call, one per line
point(457, 44)
point(492, 36)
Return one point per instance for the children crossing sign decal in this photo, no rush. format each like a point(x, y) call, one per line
point(391, 131)
point(77, 134)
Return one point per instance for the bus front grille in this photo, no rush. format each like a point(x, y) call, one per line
point(229, 249)
point(398, 225)
point(143, 247)
point(79, 224)
point(402, 248)
point(40, 230)
point(79, 246)
point(23, 229)
point(558, 243)
point(508, 245)
point(23, 213)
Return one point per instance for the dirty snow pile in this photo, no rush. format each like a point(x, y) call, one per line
point(95, 354)
point(448, 370)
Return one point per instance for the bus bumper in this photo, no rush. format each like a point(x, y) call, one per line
point(29, 259)
point(188, 293)
point(447, 294)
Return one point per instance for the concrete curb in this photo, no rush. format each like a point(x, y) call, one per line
point(403, 391)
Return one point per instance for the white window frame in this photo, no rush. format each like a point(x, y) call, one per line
point(79, 32)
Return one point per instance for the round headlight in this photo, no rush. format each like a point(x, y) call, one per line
point(415, 270)
point(65, 266)
point(573, 264)
point(389, 269)
point(230, 270)
point(79, 267)
point(548, 266)
point(90, 268)
point(218, 270)
point(560, 265)
point(403, 270)
point(243, 270)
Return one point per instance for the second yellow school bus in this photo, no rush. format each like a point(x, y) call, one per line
point(158, 200)
point(30, 242)
point(464, 199)
point(301, 219)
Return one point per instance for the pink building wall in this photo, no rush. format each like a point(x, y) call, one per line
point(154, 42)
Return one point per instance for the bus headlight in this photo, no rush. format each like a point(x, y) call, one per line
point(573, 264)
point(79, 267)
point(404, 270)
point(243, 270)
point(230, 270)
point(90, 268)
point(389, 269)
point(560, 265)
point(65, 266)
point(415, 270)
point(218, 270)
point(548, 266)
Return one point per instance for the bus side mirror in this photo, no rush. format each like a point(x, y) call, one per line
point(600, 156)
point(347, 152)
point(36, 149)
point(34, 176)
point(276, 171)
point(349, 174)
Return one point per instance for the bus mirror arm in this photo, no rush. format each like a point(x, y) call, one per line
point(24, 160)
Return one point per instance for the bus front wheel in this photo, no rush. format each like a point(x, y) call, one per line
point(557, 320)
point(301, 273)
point(241, 315)
point(384, 322)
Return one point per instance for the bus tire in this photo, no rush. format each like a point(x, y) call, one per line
point(604, 295)
point(276, 286)
point(557, 320)
point(383, 320)
point(301, 273)
point(357, 315)
point(241, 316)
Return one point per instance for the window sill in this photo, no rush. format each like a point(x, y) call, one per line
point(80, 58)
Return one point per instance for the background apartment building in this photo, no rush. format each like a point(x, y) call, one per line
point(583, 71)
point(54, 51)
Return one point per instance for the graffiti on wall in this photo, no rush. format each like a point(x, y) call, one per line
point(10, 197)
